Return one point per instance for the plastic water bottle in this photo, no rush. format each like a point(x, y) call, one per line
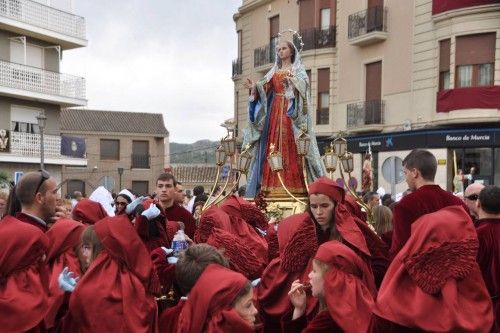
point(179, 243)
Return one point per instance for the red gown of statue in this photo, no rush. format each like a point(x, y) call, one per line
point(281, 135)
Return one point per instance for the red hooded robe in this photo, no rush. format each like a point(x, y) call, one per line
point(349, 290)
point(23, 277)
point(114, 294)
point(208, 308)
point(64, 235)
point(434, 283)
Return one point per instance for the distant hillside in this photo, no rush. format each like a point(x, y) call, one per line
point(202, 151)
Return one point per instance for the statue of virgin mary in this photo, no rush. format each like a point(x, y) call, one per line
point(279, 111)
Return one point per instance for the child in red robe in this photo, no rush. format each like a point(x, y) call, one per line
point(114, 295)
point(220, 301)
point(65, 240)
point(345, 287)
point(188, 269)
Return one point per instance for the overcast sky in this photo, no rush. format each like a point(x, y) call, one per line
point(161, 56)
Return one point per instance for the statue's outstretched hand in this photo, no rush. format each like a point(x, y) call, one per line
point(249, 84)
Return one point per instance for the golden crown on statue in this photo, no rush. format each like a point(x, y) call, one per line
point(295, 37)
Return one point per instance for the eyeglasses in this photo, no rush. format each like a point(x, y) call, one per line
point(472, 197)
point(45, 175)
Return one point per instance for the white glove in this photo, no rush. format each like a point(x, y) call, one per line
point(167, 251)
point(151, 212)
point(66, 280)
point(172, 260)
point(133, 205)
point(263, 233)
point(255, 282)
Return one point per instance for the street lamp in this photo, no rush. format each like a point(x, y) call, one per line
point(42, 119)
point(120, 173)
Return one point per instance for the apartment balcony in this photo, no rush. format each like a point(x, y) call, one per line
point(237, 67)
point(365, 116)
point(33, 83)
point(25, 148)
point(264, 55)
point(317, 38)
point(368, 26)
point(30, 18)
point(141, 161)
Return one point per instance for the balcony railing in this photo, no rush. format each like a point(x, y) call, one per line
point(43, 16)
point(264, 55)
point(317, 38)
point(371, 20)
point(27, 144)
point(38, 80)
point(141, 161)
point(365, 113)
point(237, 66)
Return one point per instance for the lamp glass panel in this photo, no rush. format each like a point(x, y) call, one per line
point(220, 156)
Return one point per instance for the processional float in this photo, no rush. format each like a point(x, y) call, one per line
point(284, 203)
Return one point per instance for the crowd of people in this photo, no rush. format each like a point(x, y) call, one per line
point(430, 262)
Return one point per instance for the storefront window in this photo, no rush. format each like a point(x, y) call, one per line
point(481, 160)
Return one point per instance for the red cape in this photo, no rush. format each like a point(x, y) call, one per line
point(124, 270)
point(64, 235)
point(434, 283)
point(208, 308)
point(23, 276)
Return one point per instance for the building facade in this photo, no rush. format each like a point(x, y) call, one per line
point(123, 150)
point(33, 37)
point(392, 75)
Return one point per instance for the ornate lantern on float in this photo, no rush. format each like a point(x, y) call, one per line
point(303, 143)
point(275, 160)
point(340, 146)
point(347, 161)
point(330, 159)
point(245, 160)
point(220, 156)
point(229, 144)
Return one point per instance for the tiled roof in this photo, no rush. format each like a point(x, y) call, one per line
point(82, 120)
point(194, 173)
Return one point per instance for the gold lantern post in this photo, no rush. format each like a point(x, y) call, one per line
point(338, 151)
point(330, 159)
point(275, 160)
point(303, 143)
point(244, 161)
point(220, 160)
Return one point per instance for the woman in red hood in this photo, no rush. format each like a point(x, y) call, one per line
point(334, 221)
point(114, 295)
point(23, 277)
point(299, 237)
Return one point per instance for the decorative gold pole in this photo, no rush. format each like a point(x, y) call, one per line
point(220, 159)
point(243, 166)
point(276, 163)
point(338, 150)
